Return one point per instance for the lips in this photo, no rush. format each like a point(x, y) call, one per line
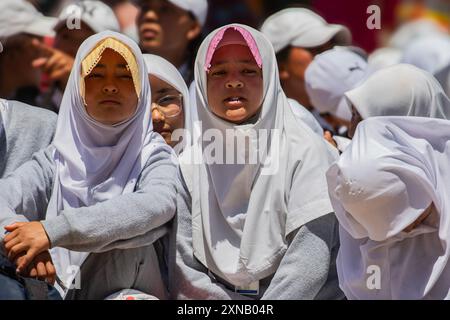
point(110, 102)
point(234, 102)
point(149, 32)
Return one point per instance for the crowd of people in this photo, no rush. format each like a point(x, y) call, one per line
point(141, 158)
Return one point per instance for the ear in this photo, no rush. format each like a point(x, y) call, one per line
point(194, 31)
point(284, 73)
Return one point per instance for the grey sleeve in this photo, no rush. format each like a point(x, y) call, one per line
point(308, 270)
point(188, 278)
point(24, 193)
point(130, 220)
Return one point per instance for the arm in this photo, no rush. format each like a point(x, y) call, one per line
point(126, 221)
point(306, 270)
point(24, 194)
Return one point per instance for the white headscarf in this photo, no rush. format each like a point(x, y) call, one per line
point(3, 107)
point(164, 70)
point(392, 172)
point(431, 54)
point(413, 30)
point(96, 162)
point(242, 213)
point(400, 90)
point(443, 77)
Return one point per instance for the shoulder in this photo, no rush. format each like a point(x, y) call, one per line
point(32, 115)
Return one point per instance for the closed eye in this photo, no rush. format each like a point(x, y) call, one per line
point(94, 75)
point(249, 72)
point(218, 73)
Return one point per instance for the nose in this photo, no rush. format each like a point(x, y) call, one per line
point(110, 89)
point(234, 84)
point(157, 115)
point(150, 15)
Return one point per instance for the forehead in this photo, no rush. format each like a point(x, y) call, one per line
point(111, 57)
point(158, 84)
point(233, 53)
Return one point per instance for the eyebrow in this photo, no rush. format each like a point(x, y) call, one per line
point(220, 62)
point(165, 90)
point(120, 65)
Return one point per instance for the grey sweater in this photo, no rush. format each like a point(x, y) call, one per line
point(307, 270)
point(127, 221)
point(27, 129)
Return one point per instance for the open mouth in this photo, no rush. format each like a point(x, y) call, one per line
point(234, 102)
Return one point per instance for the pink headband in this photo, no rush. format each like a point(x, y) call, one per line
point(249, 40)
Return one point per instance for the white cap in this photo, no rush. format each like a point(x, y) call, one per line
point(97, 15)
point(413, 30)
point(330, 75)
point(199, 8)
point(384, 57)
point(20, 16)
point(303, 28)
point(430, 53)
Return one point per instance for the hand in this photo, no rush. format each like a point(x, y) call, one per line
point(25, 237)
point(329, 137)
point(42, 268)
point(55, 63)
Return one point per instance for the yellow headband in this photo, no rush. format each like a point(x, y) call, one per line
point(91, 60)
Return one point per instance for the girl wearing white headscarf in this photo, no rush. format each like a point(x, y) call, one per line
point(430, 54)
point(400, 90)
point(391, 196)
point(262, 229)
point(166, 72)
point(99, 187)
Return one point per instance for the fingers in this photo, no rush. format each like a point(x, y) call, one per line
point(51, 272)
point(59, 74)
point(25, 260)
point(39, 62)
point(33, 272)
point(41, 270)
point(11, 243)
point(16, 250)
point(14, 226)
point(46, 50)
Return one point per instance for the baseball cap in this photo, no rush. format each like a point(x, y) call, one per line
point(97, 15)
point(300, 27)
point(20, 16)
point(330, 75)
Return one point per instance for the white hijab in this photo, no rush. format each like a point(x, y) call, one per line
point(240, 213)
point(443, 76)
point(394, 169)
point(97, 162)
point(431, 54)
point(400, 90)
point(164, 70)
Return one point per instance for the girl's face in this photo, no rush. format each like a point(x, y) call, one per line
point(235, 84)
point(165, 29)
point(356, 118)
point(110, 94)
point(167, 109)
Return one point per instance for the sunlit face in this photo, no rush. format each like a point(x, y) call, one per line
point(167, 109)
point(69, 40)
point(356, 118)
point(110, 94)
point(235, 84)
point(164, 28)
